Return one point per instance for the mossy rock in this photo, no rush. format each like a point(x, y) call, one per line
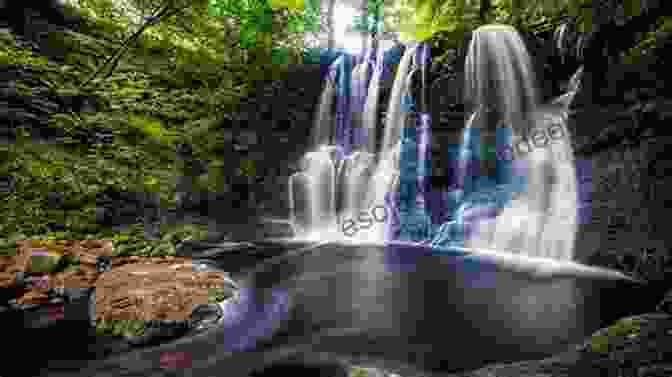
point(359, 372)
point(128, 329)
point(217, 295)
point(47, 263)
point(604, 339)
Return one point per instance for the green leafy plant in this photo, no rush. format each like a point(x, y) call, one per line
point(358, 372)
point(120, 328)
point(12, 55)
point(216, 295)
point(601, 342)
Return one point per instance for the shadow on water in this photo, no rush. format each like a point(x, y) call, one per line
point(406, 308)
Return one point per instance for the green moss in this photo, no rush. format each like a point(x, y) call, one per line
point(141, 156)
point(23, 89)
point(648, 42)
point(358, 372)
point(122, 328)
point(7, 247)
point(12, 55)
point(131, 241)
point(152, 128)
point(216, 295)
point(624, 328)
point(215, 179)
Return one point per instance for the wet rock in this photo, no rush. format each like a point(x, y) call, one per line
point(160, 292)
point(158, 331)
point(43, 105)
point(205, 316)
point(55, 200)
point(103, 263)
point(292, 368)
point(7, 183)
point(633, 347)
point(202, 249)
point(665, 305)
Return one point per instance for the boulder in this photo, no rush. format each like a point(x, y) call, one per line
point(636, 346)
point(168, 295)
point(155, 289)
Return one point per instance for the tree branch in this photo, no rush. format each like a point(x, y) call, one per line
point(113, 60)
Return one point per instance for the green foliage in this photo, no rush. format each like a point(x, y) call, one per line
point(121, 328)
point(185, 68)
point(216, 295)
point(45, 263)
point(358, 372)
point(601, 342)
point(265, 25)
point(10, 54)
point(372, 21)
point(152, 128)
point(216, 177)
point(7, 247)
point(131, 241)
point(79, 173)
point(647, 42)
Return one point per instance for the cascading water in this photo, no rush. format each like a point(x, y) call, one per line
point(370, 110)
point(323, 124)
point(524, 204)
point(340, 186)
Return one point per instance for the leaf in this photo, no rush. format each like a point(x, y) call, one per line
point(288, 4)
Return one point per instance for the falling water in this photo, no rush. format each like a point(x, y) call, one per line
point(324, 122)
point(525, 205)
point(336, 183)
point(396, 116)
point(539, 217)
point(385, 179)
point(370, 113)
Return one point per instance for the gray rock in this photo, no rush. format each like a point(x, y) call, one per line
point(43, 105)
point(643, 353)
point(7, 183)
point(205, 316)
point(665, 305)
point(157, 331)
point(18, 115)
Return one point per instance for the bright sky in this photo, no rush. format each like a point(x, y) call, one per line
point(343, 16)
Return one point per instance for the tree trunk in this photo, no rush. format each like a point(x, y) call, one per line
point(374, 32)
point(484, 10)
point(516, 9)
point(330, 24)
point(365, 17)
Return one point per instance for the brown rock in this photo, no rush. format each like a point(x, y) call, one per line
point(33, 297)
point(154, 289)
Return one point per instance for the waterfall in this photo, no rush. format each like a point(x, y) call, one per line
point(516, 185)
point(526, 205)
